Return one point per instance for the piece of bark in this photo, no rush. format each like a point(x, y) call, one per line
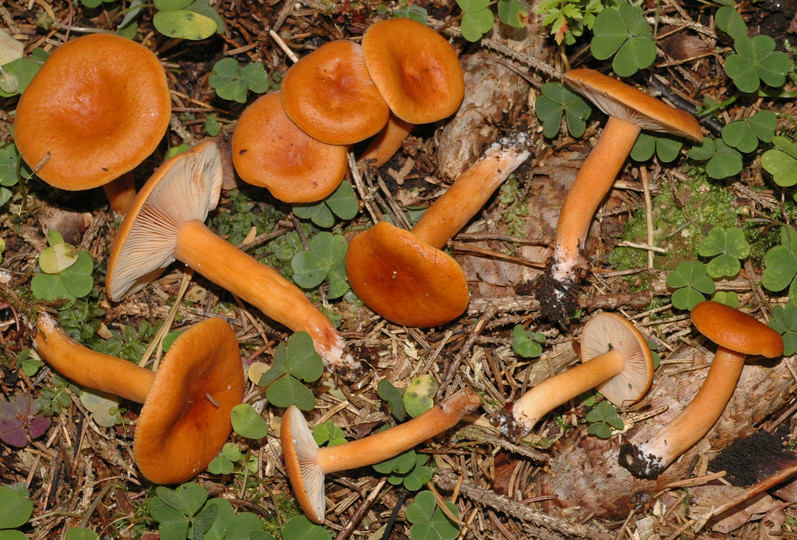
point(585, 477)
point(704, 498)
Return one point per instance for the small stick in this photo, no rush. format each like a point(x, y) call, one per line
point(643, 173)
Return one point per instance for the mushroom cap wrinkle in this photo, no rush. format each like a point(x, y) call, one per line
point(145, 242)
point(620, 100)
point(186, 418)
point(611, 332)
point(737, 331)
point(415, 69)
point(270, 151)
point(330, 96)
point(98, 106)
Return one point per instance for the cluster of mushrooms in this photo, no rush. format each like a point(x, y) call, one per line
point(295, 143)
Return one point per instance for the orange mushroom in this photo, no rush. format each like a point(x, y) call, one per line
point(403, 275)
point(387, 142)
point(185, 417)
point(330, 96)
point(630, 110)
point(270, 151)
point(615, 359)
point(736, 335)
point(307, 464)
point(95, 110)
point(166, 222)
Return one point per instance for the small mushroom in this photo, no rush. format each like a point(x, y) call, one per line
point(95, 110)
point(403, 275)
point(270, 151)
point(330, 96)
point(736, 335)
point(630, 110)
point(185, 417)
point(307, 464)
point(615, 359)
point(166, 222)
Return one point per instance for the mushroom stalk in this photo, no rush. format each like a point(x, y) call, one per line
point(263, 287)
point(468, 194)
point(649, 459)
point(563, 387)
point(387, 142)
point(593, 182)
point(89, 368)
point(392, 442)
point(120, 193)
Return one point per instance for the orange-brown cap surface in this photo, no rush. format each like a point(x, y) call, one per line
point(186, 418)
point(607, 331)
point(270, 151)
point(404, 279)
point(331, 97)
point(415, 68)
point(737, 331)
point(617, 99)
point(99, 106)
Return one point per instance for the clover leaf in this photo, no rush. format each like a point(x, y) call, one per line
point(744, 134)
point(325, 259)
point(19, 418)
point(246, 422)
point(602, 418)
point(666, 147)
point(428, 521)
point(297, 360)
point(19, 72)
point(184, 24)
point(477, 19)
point(757, 61)
point(81, 533)
point(781, 161)
point(329, 434)
point(15, 510)
point(784, 322)
point(527, 344)
point(729, 298)
point(556, 99)
point(722, 160)
point(341, 203)
point(177, 509)
point(66, 272)
point(727, 246)
point(624, 33)
point(513, 13)
point(729, 21)
point(394, 397)
point(690, 281)
point(301, 527)
point(231, 525)
point(780, 265)
point(419, 395)
point(408, 468)
point(232, 82)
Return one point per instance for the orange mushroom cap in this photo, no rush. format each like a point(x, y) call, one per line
point(415, 69)
point(98, 106)
point(404, 279)
point(270, 151)
point(737, 331)
point(330, 96)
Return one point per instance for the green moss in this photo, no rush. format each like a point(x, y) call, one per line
point(682, 214)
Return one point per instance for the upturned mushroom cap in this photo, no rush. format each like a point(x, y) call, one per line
point(300, 453)
point(415, 69)
point(619, 100)
point(404, 279)
point(330, 96)
point(606, 332)
point(185, 419)
point(270, 151)
point(736, 331)
point(145, 242)
point(99, 106)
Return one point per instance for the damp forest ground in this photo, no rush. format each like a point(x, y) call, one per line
point(75, 461)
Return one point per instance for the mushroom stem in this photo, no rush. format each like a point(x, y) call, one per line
point(120, 193)
point(468, 194)
point(593, 182)
point(279, 299)
point(89, 368)
point(694, 421)
point(561, 388)
point(391, 442)
point(387, 142)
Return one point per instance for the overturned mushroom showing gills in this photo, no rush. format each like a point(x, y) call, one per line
point(270, 151)
point(736, 335)
point(403, 275)
point(95, 110)
point(185, 417)
point(630, 110)
point(166, 222)
point(330, 96)
point(616, 361)
point(307, 464)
